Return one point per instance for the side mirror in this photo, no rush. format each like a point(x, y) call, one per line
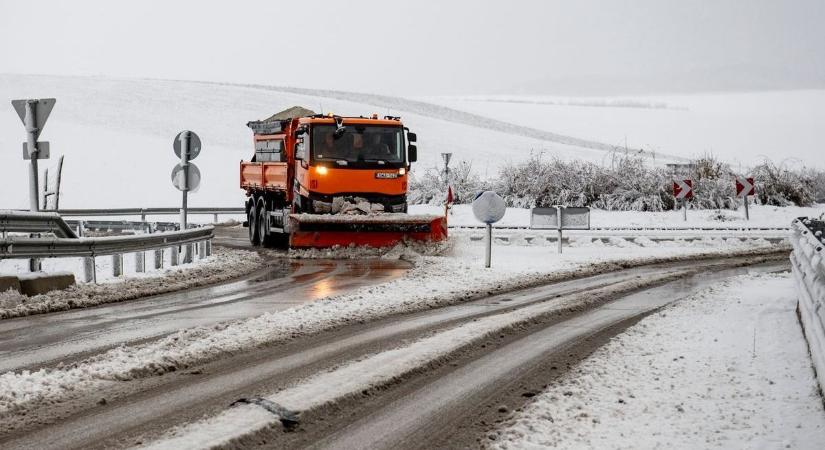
point(411, 137)
point(300, 150)
point(413, 153)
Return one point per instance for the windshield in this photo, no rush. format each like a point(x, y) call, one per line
point(359, 143)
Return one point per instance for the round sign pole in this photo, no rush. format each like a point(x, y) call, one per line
point(488, 242)
point(184, 162)
point(489, 208)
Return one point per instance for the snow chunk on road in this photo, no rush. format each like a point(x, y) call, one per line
point(725, 368)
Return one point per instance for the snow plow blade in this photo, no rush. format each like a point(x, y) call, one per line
point(379, 230)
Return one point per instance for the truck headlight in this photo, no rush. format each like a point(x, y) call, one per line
point(321, 170)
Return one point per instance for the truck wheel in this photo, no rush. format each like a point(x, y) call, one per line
point(254, 237)
point(262, 218)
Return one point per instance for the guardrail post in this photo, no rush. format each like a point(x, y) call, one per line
point(158, 259)
point(140, 262)
point(201, 249)
point(174, 252)
point(89, 270)
point(117, 265)
point(188, 251)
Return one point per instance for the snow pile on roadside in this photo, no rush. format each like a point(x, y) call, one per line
point(433, 282)
point(725, 368)
point(223, 265)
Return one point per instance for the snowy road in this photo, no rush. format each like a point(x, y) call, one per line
point(30, 342)
point(560, 317)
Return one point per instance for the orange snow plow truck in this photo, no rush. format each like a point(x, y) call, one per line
point(325, 180)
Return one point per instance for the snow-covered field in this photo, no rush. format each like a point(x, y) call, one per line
point(117, 134)
point(446, 279)
point(736, 127)
point(726, 368)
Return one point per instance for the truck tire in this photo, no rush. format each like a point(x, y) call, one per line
point(254, 237)
point(262, 218)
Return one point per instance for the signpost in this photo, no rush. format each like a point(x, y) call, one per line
point(744, 188)
point(446, 157)
point(185, 175)
point(33, 113)
point(683, 190)
point(560, 218)
point(489, 208)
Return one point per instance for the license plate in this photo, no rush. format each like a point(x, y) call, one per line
point(386, 175)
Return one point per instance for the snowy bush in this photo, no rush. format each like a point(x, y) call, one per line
point(713, 185)
point(429, 188)
point(779, 186)
point(629, 184)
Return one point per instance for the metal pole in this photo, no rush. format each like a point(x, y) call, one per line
point(558, 218)
point(184, 163)
point(45, 190)
point(140, 262)
point(89, 270)
point(57, 183)
point(684, 209)
point(489, 245)
point(31, 140)
point(747, 214)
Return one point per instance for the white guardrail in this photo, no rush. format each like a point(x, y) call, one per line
point(808, 265)
point(193, 242)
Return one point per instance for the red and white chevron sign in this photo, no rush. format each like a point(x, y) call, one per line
point(683, 189)
point(744, 187)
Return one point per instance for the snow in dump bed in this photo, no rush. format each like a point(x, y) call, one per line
point(726, 368)
point(434, 281)
point(224, 264)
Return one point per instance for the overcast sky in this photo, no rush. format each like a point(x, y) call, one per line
point(428, 47)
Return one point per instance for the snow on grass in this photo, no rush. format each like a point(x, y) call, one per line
point(434, 281)
point(725, 368)
point(760, 216)
point(224, 264)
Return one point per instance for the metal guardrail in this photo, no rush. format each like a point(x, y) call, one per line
point(120, 226)
point(808, 266)
point(53, 247)
point(34, 222)
point(143, 212)
point(65, 242)
point(629, 228)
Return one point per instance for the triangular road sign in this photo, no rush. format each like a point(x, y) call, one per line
point(42, 109)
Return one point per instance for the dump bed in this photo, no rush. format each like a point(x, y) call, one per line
point(265, 176)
